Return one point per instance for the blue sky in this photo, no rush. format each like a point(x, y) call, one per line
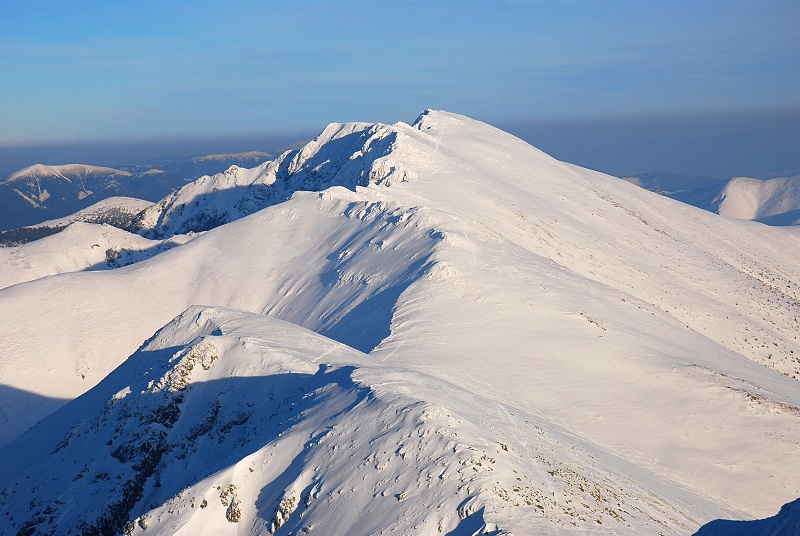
point(84, 70)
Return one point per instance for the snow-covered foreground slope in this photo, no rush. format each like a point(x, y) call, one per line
point(649, 330)
point(233, 423)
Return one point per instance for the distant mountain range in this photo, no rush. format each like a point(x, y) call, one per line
point(39, 193)
point(773, 201)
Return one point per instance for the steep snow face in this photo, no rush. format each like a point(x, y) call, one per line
point(230, 423)
point(640, 324)
point(348, 155)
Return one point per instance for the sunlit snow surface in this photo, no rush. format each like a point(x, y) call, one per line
point(523, 346)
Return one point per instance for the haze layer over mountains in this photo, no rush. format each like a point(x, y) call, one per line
point(406, 329)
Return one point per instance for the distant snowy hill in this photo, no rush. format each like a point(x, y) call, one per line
point(38, 193)
point(774, 201)
point(410, 329)
point(771, 201)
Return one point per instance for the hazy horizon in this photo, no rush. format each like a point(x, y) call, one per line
point(754, 144)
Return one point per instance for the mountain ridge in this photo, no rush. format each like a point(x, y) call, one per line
point(613, 317)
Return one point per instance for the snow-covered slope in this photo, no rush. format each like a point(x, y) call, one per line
point(617, 321)
point(80, 246)
point(117, 211)
point(231, 423)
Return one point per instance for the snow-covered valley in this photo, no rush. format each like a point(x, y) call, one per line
point(428, 328)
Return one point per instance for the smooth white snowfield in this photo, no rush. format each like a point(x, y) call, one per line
point(618, 321)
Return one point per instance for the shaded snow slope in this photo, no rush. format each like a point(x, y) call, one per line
point(649, 329)
point(785, 523)
point(231, 423)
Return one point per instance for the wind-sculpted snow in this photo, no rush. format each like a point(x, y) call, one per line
point(490, 280)
point(348, 155)
point(231, 423)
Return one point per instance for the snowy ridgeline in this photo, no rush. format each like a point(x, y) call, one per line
point(522, 346)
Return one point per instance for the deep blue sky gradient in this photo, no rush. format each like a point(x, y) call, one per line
point(91, 71)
